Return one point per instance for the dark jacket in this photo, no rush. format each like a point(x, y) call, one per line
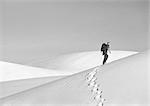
point(104, 48)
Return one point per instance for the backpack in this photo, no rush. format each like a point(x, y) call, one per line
point(103, 47)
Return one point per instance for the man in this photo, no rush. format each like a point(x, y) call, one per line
point(104, 48)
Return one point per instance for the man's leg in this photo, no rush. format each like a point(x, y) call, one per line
point(105, 58)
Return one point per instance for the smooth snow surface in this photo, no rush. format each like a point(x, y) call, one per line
point(124, 83)
point(16, 78)
point(8, 88)
point(11, 71)
point(77, 62)
point(63, 65)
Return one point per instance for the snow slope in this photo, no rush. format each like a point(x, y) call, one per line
point(124, 83)
point(63, 65)
point(80, 61)
point(11, 71)
point(12, 84)
point(8, 88)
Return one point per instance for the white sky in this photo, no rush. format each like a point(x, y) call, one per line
point(70, 0)
point(35, 30)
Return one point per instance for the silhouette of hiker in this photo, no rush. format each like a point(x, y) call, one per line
point(104, 48)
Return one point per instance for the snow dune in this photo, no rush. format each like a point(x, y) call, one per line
point(63, 65)
point(77, 62)
point(11, 71)
point(22, 77)
point(8, 88)
point(124, 83)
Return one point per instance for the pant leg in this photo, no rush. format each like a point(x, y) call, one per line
point(105, 58)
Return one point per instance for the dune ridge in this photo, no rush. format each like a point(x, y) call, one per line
point(12, 71)
point(13, 86)
point(128, 77)
point(80, 61)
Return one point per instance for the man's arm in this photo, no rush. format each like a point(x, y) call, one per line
point(109, 49)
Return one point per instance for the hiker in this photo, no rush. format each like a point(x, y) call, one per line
point(104, 48)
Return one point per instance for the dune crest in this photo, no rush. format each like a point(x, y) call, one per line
point(22, 77)
point(12, 71)
point(63, 65)
point(80, 61)
point(124, 82)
